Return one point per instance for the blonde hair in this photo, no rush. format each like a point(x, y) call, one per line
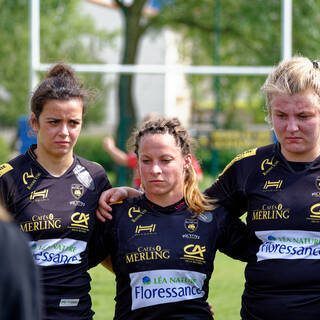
point(195, 200)
point(290, 77)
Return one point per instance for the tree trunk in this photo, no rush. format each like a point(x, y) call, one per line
point(127, 112)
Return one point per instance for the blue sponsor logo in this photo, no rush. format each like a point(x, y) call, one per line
point(55, 258)
point(180, 287)
point(142, 293)
point(146, 280)
point(284, 249)
point(51, 252)
point(288, 244)
point(149, 288)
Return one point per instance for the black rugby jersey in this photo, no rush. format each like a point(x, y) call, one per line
point(283, 218)
point(163, 257)
point(58, 213)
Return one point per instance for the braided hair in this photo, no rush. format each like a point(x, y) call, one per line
point(195, 200)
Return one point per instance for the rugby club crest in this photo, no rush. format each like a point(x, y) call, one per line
point(77, 190)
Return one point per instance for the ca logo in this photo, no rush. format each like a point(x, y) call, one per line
point(194, 251)
point(133, 210)
point(80, 219)
point(315, 209)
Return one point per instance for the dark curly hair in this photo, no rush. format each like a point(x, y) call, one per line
point(60, 83)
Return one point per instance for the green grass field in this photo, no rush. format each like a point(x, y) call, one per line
point(226, 288)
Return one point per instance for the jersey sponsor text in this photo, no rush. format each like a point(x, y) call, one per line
point(271, 212)
point(148, 253)
point(149, 288)
point(53, 252)
point(288, 244)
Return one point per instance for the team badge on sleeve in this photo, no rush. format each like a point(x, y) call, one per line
point(4, 168)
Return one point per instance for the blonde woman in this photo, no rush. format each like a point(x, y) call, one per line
point(279, 187)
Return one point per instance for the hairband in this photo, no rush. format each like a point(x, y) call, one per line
point(315, 64)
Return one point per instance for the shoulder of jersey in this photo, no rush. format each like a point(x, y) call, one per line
point(128, 202)
point(252, 153)
point(18, 162)
point(114, 204)
point(90, 164)
point(250, 156)
point(4, 168)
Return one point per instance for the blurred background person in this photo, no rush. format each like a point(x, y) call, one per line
point(123, 159)
point(20, 297)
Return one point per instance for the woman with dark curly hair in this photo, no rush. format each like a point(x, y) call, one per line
point(53, 194)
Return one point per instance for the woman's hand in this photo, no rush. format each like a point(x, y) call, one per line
point(113, 195)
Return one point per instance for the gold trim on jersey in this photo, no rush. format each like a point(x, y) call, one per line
point(245, 154)
point(4, 168)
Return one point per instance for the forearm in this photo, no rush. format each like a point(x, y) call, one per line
point(132, 193)
point(119, 156)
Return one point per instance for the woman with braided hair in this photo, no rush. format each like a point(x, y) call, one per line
point(162, 244)
point(278, 185)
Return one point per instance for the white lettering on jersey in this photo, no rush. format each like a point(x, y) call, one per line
point(69, 302)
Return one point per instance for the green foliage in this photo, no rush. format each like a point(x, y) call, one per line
point(239, 33)
point(234, 33)
point(13, 59)
point(66, 35)
point(226, 287)
point(4, 151)
point(91, 149)
point(71, 37)
point(224, 157)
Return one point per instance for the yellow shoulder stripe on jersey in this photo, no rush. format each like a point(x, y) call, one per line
point(245, 154)
point(117, 202)
point(4, 168)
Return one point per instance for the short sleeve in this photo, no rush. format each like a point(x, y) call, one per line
point(233, 235)
point(100, 242)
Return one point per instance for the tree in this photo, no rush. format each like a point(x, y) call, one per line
point(66, 35)
point(250, 35)
point(133, 29)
